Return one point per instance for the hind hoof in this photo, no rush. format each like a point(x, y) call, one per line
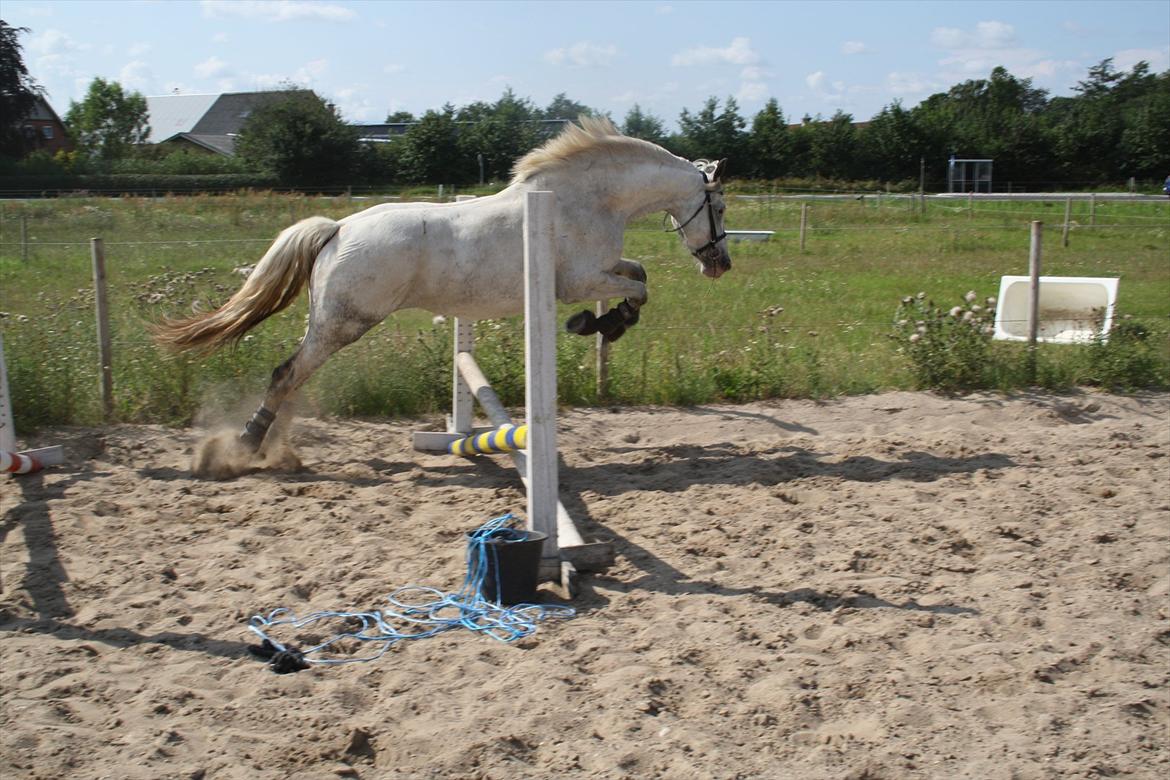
point(583, 324)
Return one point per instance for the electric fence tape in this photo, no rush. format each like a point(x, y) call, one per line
point(405, 619)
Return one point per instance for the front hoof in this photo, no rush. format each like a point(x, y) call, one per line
point(629, 313)
point(583, 323)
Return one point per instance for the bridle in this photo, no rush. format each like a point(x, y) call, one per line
point(715, 239)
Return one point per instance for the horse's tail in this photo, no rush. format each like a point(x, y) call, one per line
point(274, 283)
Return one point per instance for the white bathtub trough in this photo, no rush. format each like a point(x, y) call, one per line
point(1071, 308)
point(749, 235)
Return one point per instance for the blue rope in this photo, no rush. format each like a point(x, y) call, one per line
point(418, 612)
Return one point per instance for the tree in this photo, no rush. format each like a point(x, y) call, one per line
point(400, 117)
point(430, 150)
point(834, 147)
point(713, 134)
point(562, 107)
point(645, 126)
point(502, 132)
point(108, 121)
point(890, 146)
point(769, 143)
point(18, 92)
point(301, 138)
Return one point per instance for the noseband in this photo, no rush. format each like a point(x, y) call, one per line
point(715, 239)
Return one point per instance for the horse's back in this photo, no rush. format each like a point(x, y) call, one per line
point(462, 259)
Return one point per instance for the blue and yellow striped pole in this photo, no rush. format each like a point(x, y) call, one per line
point(506, 438)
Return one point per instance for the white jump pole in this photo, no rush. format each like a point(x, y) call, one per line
point(565, 551)
point(27, 461)
point(540, 359)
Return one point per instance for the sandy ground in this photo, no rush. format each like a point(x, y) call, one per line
point(891, 586)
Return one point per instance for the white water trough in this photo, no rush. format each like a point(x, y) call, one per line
point(1071, 308)
point(749, 235)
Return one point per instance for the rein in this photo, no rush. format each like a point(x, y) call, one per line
point(715, 238)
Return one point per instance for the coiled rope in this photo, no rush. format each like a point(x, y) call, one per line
point(415, 612)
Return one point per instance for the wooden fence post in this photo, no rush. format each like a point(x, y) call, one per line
point(1034, 296)
point(23, 238)
point(803, 223)
point(1067, 218)
point(602, 356)
point(102, 310)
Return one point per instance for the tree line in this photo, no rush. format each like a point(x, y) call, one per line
point(1113, 127)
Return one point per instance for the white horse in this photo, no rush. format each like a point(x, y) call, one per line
point(465, 259)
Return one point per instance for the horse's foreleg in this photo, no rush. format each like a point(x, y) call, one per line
point(630, 279)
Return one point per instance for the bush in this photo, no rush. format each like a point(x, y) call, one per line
point(1127, 360)
point(949, 348)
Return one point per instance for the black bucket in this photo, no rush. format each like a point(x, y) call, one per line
point(513, 564)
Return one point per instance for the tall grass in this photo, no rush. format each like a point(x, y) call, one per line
point(782, 323)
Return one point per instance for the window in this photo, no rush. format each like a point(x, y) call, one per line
point(47, 132)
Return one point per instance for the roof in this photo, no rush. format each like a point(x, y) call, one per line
point(174, 114)
point(210, 121)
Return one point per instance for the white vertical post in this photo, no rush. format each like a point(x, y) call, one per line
point(540, 353)
point(7, 427)
point(803, 223)
point(462, 399)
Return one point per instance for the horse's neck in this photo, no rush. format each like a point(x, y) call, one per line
point(631, 190)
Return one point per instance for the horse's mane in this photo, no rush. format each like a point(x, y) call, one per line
point(589, 134)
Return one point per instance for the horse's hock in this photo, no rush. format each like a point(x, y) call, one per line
point(565, 552)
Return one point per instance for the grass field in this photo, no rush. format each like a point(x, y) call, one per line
point(782, 323)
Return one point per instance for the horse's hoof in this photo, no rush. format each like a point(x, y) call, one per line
point(629, 313)
point(583, 324)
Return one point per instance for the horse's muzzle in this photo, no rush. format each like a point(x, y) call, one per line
point(715, 261)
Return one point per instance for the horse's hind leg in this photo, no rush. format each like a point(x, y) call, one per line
point(319, 343)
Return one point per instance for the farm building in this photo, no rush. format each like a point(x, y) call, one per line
point(43, 130)
point(204, 123)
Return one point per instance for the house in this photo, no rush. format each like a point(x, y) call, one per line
point(43, 130)
point(204, 123)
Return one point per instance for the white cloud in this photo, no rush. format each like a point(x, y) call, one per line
point(754, 73)
point(828, 91)
point(136, 76)
point(211, 67)
point(393, 68)
point(752, 92)
point(855, 47)
point(139, 49)
point(898, 83)
point(1159, 59)
point(220, 37)
point(582, 54)
point(277, 10)
point(739, 52)
point(985, 35)
point(53, 42)
point(663, 10)
point(974, 52)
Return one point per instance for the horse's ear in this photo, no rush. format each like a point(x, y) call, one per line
point(720, 168)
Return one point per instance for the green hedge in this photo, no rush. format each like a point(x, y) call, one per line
point(134, 184)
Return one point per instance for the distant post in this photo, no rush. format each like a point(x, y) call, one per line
point(1067, 219)
point(102, 307)
point(1034, 296)
point(803, 223)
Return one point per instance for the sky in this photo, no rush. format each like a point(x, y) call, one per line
point(374, 57)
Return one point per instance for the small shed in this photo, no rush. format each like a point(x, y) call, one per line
point(969, 175)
